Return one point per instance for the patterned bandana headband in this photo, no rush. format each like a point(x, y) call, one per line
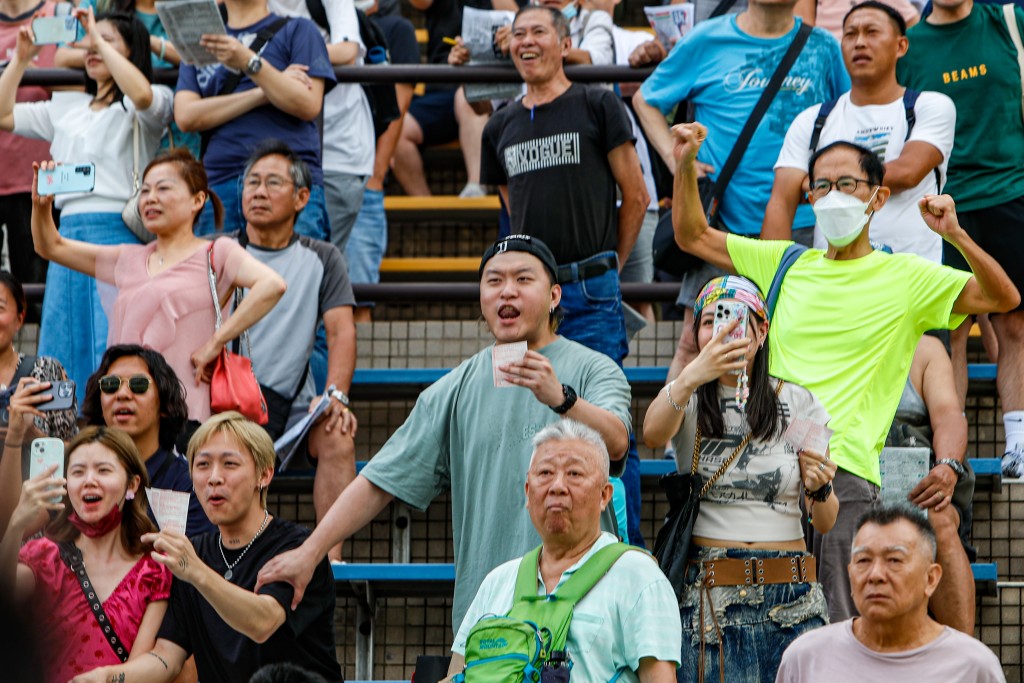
point(731, 287)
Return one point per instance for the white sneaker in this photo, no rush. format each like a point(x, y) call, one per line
point(1013, 464)
point(472, 190)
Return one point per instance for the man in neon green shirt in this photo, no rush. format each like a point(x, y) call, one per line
point(849, 318)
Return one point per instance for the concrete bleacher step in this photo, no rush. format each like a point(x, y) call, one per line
point(441, 207)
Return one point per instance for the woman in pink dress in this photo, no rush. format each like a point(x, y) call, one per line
point(163, 291)
point(101, 519)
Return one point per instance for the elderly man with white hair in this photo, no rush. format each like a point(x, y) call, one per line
point(626, 627)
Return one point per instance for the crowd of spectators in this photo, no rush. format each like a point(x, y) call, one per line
point(867, 223)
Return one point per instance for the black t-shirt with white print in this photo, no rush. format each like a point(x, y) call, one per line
point(223, 655)
point(554, 159)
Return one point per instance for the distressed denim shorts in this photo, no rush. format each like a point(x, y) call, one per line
point(757, 623)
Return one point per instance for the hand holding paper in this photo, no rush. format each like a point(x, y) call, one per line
point(170, 508)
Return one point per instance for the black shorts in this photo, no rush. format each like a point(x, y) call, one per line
point(434, 110)
point(999, 230)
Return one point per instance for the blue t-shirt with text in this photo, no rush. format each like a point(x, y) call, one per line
point(723, 71)
point(297, 42)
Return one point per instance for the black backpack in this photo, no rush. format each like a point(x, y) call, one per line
point(380, 96)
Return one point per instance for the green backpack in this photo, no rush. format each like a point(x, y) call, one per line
point(528, 644)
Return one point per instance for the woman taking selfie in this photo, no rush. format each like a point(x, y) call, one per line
point(725, 414)
point(163, 289)
point(91, 556)
point(95, 126)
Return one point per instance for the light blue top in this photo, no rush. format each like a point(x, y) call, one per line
point(723, 71)
point(629, 614)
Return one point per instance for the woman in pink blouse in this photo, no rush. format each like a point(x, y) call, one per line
point(100, 521)
point(163, 292)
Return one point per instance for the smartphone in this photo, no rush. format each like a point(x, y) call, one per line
point(63, 395)
point(725, 313)
point(57, 30)
point(67, 178)
point(46, 453)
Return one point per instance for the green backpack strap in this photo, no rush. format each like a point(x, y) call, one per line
point(555, 611)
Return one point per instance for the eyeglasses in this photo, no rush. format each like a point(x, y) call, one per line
point(846, 185)
point(274, 183)
point(137, 384)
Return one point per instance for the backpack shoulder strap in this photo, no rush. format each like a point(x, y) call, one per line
point(592, 571)
point(318, 13)
point(819, 121)
point(789, 257)
point(526, 579)
point(909, 103)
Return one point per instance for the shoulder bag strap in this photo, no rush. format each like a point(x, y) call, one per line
point(789, 257)
point(1009, 13)
point(136, 180)
point(747, 134)
point(72, 557)
point(721, 8)
point(592, 571)
point(24, 369)
point(212, 276)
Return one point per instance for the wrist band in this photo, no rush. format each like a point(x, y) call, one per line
point(8, 444)
point(668, 394)
point(163, 46)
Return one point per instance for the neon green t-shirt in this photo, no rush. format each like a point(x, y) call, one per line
point(847, 331)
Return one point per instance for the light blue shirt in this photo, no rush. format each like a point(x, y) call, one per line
point(629, 614)
point(723, 71)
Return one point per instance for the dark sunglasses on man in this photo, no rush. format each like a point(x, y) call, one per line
point(137, 384)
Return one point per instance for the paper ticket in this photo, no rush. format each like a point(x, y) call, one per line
point(808, 435)
point(170, 508)
point(502, 354)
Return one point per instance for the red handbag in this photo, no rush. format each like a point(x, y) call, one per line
point(233, 385)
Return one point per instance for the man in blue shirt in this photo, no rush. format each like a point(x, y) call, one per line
point(721, 67)
point(279, 94)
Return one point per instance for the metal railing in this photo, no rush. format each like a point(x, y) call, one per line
point(404, 73)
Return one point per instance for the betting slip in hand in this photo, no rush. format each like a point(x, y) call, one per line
point(170, 508)
point(503, 354)
point(806, 435)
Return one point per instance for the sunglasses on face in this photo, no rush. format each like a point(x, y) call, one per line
point(137, 384)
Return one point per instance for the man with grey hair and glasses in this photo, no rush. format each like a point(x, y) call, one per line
point(275, 189)
point(893, 573)
point(626, 627)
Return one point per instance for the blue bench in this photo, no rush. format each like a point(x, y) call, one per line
point(396, 383)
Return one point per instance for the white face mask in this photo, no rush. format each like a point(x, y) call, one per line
point(364, 5)
point(842, 217)
point(569, 11)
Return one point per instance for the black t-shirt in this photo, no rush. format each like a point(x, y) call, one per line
point(401, 37)
point(223, 655)
point(554, 159)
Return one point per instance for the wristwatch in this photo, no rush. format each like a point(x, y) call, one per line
point(253, 66)
point(338, 395)
point(954, 465)
point(570, 400)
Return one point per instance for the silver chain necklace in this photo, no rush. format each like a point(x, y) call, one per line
point(220, 544)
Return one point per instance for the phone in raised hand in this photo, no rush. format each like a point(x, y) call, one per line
point(725, 313)
point(57, 30)
point(45, 453)
point(65, 178)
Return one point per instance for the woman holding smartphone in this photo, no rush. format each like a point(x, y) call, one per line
point(91, 555)
point(95, 126)
point(750, 515)
point(163, 289)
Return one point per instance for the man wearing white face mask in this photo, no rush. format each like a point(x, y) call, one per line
point(848, 318)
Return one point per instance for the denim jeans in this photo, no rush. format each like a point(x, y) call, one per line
point(592, 316)
point(757, 622)
point(592, 313)
point(74, 324)
point(369, 239)
point(343, 193)
point(312, 222)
